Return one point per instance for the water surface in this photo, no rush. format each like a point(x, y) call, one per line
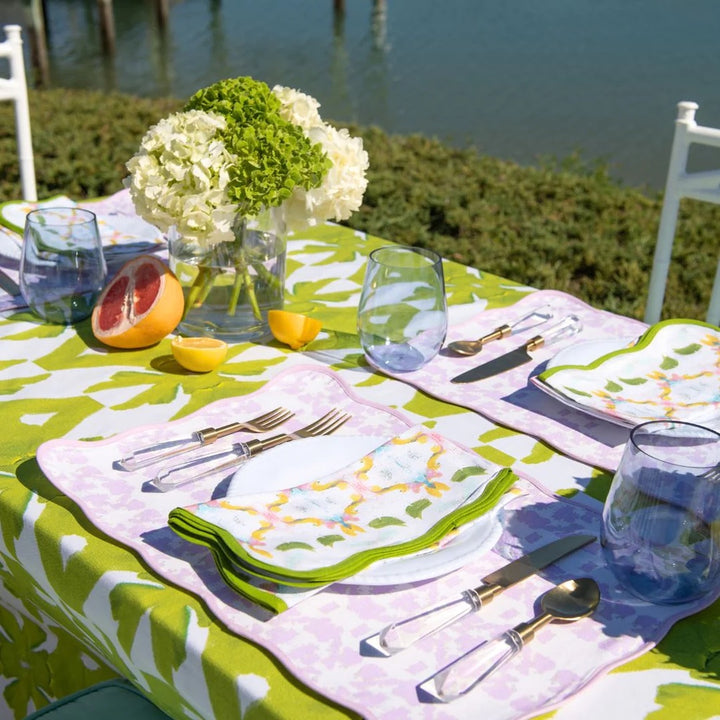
point(519, 80)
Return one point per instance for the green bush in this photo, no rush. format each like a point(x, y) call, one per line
point(564, 227)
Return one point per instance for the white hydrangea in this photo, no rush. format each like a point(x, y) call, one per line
point(179, 176)
point(298, 108)
point(342, 188)
point(344, 184)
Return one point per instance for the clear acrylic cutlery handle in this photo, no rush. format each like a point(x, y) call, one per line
point(157, 453)
point(532, 319)
point(199, 469)
point(400, 635)
point(473, 667)
point(569, 326)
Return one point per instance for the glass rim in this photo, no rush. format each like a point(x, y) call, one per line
point(85, 216)
point(431, 255)
point(708, 433)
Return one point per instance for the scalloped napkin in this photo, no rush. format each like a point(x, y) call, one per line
point(671, 372)
point(117, 221)
point(399, 499)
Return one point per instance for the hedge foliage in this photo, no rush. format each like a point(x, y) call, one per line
point(562, 226)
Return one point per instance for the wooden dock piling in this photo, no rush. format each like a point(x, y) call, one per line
point(38, 43)
point(107, 25)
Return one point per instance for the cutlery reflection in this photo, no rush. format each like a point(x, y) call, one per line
point(162, 451)
point(400, 635)
point(239, 453)
point(571, 601)
point(526, 322)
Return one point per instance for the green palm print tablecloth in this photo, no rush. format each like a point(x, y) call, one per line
point(76, 607)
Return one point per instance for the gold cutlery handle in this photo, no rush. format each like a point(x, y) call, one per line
point(497, 334)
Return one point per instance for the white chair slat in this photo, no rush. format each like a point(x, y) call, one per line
point(703, 186)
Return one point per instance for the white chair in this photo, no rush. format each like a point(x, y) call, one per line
point(15, 88)
point(703, 186)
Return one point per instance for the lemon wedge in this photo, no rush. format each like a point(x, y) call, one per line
point(293, 329)
point(199, 354)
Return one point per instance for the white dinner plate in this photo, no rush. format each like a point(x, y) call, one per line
point(305, 460)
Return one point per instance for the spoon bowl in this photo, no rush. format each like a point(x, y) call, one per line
point(466, 347)
point(571, 600)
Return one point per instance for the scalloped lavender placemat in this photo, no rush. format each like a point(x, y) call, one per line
point(320, 640)
point(510, 398)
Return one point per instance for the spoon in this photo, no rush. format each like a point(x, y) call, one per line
point(472, 347)
point(568, 602)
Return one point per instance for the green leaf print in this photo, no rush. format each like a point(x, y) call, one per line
point(385, 521)
point(689, 702)
point(668, 363)
point(13, 385)
point(634, 381)
point(613, 387)
point(330, 540)
point(466, 472)
point(540, 453)
point(294, 546)
point(688, 349)
point(416, 509)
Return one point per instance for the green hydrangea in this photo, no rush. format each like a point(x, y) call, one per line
point(273, 155)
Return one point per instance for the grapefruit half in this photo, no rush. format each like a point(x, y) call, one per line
point(140, 306)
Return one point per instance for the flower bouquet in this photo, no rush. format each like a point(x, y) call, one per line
point(226, 178)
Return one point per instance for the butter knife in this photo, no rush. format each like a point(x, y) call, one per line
point(400, 635)
point(570, 325)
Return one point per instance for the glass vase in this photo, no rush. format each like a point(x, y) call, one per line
point(230, 286)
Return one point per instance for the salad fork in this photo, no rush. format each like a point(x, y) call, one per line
point(241, 452)
point(155, 453)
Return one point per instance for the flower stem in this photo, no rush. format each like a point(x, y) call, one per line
point(250, 289)
point(238, 282)
point(200, 289)
point(266, 275)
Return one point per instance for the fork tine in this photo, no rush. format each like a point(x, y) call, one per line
point(317, 423)
point(271, 419)
point(326, 424)
point(268, 416)
point(339, 422)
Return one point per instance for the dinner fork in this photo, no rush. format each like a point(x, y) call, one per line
point(155, 453)
point(241, 452)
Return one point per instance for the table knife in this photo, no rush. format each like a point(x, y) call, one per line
point(570, 325)
point(400, 635)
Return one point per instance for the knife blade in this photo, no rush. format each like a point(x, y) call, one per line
point(400, 635)
point(570, 325)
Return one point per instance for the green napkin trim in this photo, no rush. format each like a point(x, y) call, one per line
point(233, 561)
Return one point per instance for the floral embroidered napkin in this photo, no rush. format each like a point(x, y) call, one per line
point(399, 499)
point(116, 226)
point(672, 372)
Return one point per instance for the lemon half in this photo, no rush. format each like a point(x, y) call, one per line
point(293, 329)
point(199, 354)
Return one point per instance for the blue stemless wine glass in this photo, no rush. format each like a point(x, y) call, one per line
point(402, 317)
point(62, 269)
point(661, 520)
